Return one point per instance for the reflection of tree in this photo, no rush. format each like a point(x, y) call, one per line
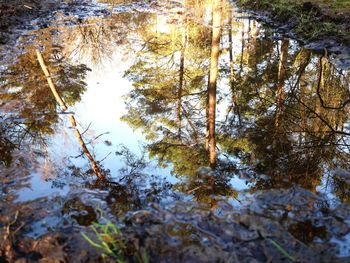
point(308, 137)
point(207, 187)
point(136, 187)
point(282, 120)
point(25, 88)
point(169, 99)
point(288, 143)
point(342, 189)
point(8, 139)
point(165, 101)
point(281, 159)
point(280, 84)
point(94, 40)
point(213, 76)
point(184, 39)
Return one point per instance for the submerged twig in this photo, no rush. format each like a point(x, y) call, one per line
point(63, 107)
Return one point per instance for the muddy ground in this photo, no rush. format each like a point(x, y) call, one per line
point(188, 232)
point(18, 16)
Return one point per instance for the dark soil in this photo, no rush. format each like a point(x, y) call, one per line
point(19, 14)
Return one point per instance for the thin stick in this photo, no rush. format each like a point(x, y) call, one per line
point(63, 106)
point(49, 81)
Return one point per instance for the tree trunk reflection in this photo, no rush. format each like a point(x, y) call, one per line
point(213, 76)
point(280, 85)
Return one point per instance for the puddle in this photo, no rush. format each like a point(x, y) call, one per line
point(141, 82)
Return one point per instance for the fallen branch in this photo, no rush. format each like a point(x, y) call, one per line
point(63, 106)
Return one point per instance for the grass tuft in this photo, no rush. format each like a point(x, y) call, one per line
point(109, 240)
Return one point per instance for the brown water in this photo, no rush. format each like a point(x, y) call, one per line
point(136, 80)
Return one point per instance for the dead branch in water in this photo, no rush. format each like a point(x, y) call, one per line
point(49, 81)
point(63, 107)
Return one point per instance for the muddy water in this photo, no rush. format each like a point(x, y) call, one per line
point(136, 81)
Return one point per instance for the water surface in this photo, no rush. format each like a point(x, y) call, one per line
point(136, 81)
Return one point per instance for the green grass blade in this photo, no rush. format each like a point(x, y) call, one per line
point(92, 243)
point(281, 249)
